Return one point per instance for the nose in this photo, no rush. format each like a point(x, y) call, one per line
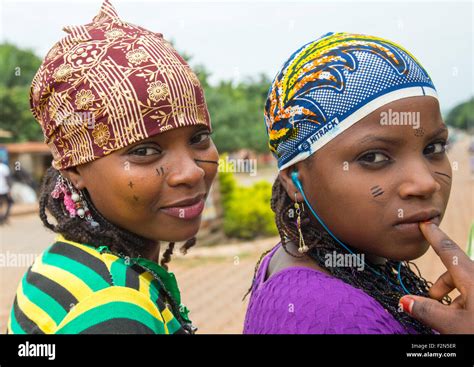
point(185, 172)
point(418, 181)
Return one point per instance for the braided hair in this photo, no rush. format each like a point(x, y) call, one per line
point(320, 244)
point(121, 242)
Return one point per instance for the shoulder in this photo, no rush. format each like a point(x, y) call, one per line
point(73, 288)
point(81, 261)
point(304, 300)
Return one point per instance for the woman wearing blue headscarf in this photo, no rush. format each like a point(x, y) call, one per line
point(355, 124)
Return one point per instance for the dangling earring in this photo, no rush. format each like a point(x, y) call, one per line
point(302, 248)
point(73, 200)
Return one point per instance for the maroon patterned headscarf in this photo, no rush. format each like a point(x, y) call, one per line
point(109, 84)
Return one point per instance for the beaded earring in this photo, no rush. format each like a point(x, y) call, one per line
point(73, 200)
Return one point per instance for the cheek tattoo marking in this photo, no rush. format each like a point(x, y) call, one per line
point(135, 197)
point(131, 184)
point(201, 160)
point(443, 176)
point(376, 191)
point(160, 172)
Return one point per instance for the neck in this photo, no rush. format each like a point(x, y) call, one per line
point(376, 260)
point(153, 253)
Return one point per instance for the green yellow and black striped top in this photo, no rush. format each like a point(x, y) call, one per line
point(75, 289)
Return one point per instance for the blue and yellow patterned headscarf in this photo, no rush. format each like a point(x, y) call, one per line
point(329, 84)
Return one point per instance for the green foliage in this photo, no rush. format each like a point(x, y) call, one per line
point(247, 211)
point(237, 114)
point(227, 182)
point(236, 111)
point(462, 116)
point(15, 115)
point(17, 68)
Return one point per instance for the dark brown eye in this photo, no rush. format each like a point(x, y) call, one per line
point(145, 151)
point(374, 157)
point(435, 148)
point(200, 137)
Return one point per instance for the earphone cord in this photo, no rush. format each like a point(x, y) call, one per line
point(403, 288)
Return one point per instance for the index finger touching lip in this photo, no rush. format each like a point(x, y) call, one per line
point(453, 257)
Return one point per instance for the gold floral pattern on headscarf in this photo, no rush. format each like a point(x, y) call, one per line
point(55, 51)
point(157, 91)
point(62, 73)
point(109, 84)
point(101, 134)
point(114, 33)
point(84, 99)
point(137, 56)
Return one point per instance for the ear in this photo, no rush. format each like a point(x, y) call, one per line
point(285, 178)
point(74, 175)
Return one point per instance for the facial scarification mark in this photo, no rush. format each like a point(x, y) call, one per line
point(376, 191)
point(204, 161)
point(444, 177)
point(419, 132)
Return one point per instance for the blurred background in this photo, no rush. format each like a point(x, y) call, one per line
point(236, 49)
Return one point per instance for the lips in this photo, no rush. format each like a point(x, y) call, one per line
point(186, 209)
point(420, 216)
point(410, 224)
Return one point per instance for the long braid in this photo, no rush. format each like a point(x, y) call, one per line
point(187, 245)
point(121, 242)
point(43, 203)
point(167, 255)
point(320, 244)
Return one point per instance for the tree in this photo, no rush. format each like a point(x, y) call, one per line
point(462, 116)
point(17, 68)
point(237, 114)
point(16, 117)
point(236, 110)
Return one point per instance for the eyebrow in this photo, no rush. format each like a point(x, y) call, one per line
point(395, 141)
point(442, 129)
point(381, 139)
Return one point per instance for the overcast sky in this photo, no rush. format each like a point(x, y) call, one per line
point(242, 39)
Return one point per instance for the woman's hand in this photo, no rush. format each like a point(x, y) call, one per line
point(457, 318)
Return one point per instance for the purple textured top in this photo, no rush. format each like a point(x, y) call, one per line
point(301, 300)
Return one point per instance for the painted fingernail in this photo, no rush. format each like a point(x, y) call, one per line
point(428, 223)
point(424, 222)
point(407, 304)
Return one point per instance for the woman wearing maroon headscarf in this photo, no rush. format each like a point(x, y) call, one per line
point(133, 162)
